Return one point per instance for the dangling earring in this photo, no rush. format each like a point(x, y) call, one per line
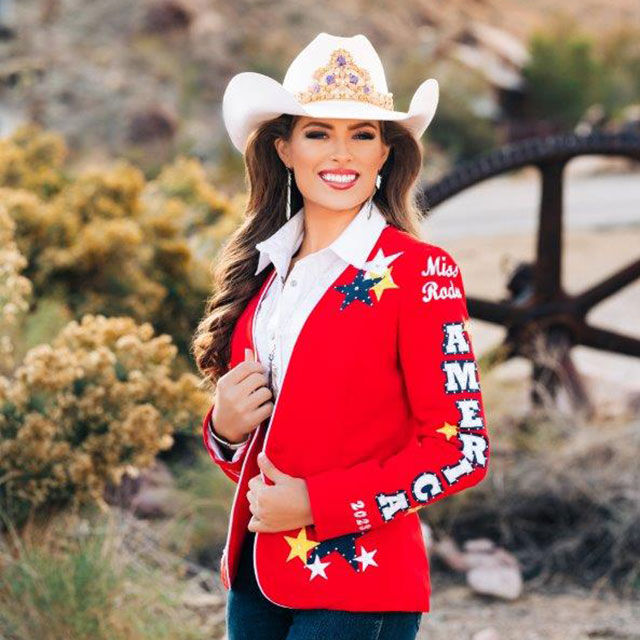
point(289, 172)
point(378, 181)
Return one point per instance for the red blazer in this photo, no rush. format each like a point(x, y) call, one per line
point(381, 413)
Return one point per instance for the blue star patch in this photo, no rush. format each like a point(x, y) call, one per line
point(345, 545)
point(357, 289)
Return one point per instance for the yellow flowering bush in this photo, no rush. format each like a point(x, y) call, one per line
point(80, 412)
point(15, 290)
point(32, 159)
point(107, 241)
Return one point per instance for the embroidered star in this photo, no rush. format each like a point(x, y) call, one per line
point(317, 568)
point(379, 267)
point(380, 262)
point(366, 558)
point(300, 545)
point(448, 430)
point(357, 289)
point(345, 545)
point(384, 284)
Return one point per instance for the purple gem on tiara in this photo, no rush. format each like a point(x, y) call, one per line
point(341, 60)
point(366, 88)
point(353, 78)
point(316, 87)
point(330, 78)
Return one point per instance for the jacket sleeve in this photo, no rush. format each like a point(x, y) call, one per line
point(231, 467)
point(449, 447)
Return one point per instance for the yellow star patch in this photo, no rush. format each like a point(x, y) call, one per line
point(300, 545)
point(448, 430)
point(384, 284)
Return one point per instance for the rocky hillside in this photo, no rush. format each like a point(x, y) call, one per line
point(146, 78)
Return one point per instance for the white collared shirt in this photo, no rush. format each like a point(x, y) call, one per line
point(290, 299)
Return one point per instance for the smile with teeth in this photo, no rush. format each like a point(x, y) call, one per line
point(337, 177)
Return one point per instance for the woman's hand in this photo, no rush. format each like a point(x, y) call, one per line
point(242, 399)
point(278, 507)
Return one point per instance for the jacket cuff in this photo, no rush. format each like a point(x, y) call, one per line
point(228, 455)
point(229, 467)
point(339, 504)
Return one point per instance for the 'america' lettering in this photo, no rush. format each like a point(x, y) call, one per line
point(389, 504)
point(454, 339)
point(461, 376)
point(474, 447)
point(425, 486)
point(454, 472)
point(471, 414)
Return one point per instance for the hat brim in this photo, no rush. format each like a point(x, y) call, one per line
point(252, 98)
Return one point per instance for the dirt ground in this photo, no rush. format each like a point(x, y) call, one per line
point(566, 614)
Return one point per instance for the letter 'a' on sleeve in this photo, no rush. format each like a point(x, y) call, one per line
point(449, 448)
point(231, 467)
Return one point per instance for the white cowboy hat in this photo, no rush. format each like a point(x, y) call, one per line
point(332, 77)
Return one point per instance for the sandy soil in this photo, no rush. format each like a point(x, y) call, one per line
point(569, 614)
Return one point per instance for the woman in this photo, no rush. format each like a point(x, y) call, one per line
point(347, 395)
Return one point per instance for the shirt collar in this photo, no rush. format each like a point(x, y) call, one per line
point(353, 245)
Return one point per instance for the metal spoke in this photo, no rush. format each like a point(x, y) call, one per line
point(547, 280)
point(538, 304)
point(605, 289)
point(609, 341)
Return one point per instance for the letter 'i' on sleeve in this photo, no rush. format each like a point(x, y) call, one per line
point(449, 448)
point(232, 467)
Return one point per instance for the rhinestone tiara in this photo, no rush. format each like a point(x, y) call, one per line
point(343, 79)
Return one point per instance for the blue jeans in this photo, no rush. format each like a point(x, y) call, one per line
point(251, 616)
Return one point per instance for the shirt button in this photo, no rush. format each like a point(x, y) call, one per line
point(293, 283)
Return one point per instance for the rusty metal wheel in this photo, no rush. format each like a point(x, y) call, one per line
point(539, 312)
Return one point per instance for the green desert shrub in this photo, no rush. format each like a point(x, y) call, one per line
point(569, 70)
point(109, 242)
point(100, 400)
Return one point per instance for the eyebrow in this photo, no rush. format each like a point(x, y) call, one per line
point(328, 126)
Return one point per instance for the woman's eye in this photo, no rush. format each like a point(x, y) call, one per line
point(317, 134)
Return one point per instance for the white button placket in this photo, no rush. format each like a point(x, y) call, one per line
point(287, 304)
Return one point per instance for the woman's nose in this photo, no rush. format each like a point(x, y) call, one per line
point(340, 148)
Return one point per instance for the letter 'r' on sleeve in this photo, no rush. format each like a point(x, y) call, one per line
point(449, 447)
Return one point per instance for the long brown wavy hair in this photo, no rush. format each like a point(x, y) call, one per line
point(234, 278)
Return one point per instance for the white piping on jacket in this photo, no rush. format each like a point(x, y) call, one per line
point(249, 447)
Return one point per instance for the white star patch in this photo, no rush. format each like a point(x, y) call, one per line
point(317, 568)
point(366, 558)
point(380, 262)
